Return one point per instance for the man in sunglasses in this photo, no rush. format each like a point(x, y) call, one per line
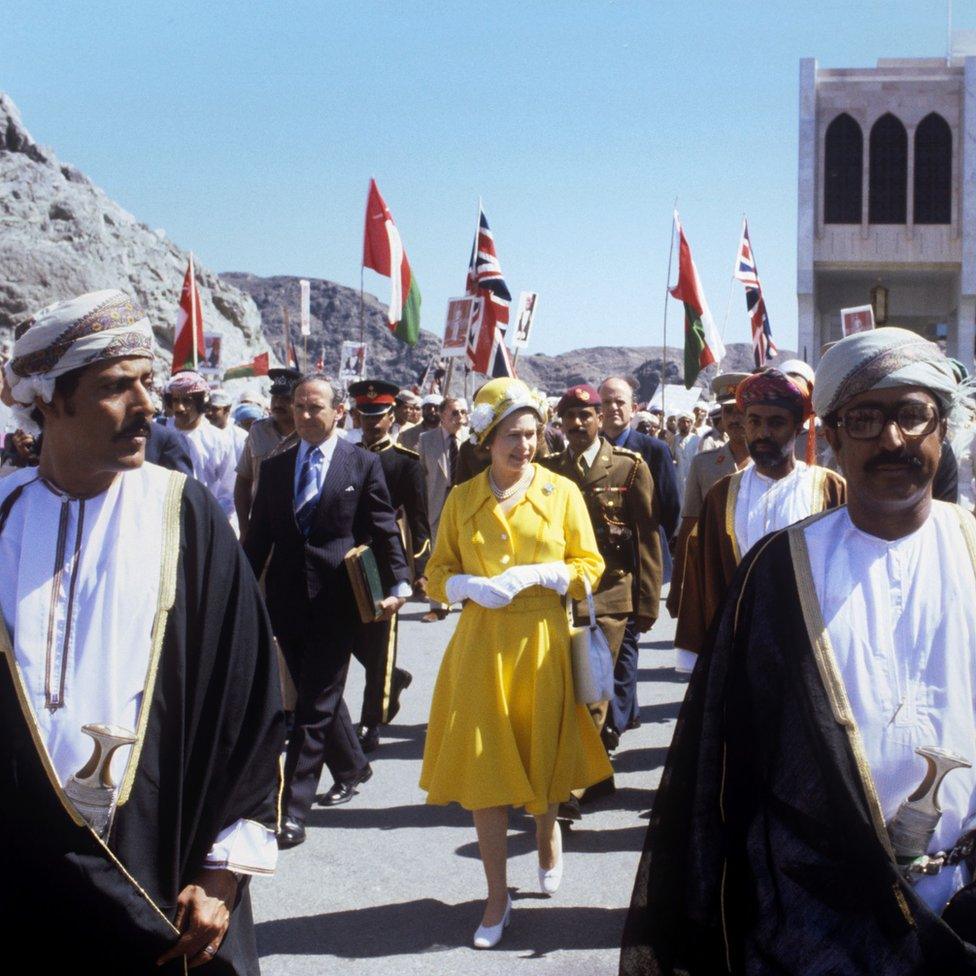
point(798, 829)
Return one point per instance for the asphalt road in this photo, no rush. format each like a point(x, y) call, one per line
point(387, 885)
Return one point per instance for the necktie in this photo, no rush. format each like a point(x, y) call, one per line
point(452, 456)
point(582, 465)
point(307, 496)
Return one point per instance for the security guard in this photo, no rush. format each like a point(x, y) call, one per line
point(619, 494)
point(376, 644)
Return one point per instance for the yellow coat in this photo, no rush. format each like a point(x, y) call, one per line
point(505, 729)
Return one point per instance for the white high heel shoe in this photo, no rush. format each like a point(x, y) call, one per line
point(488, 936)
point(550, 879)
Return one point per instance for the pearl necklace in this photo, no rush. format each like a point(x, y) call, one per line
point(503, 494)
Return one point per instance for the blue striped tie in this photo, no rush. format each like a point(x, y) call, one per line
point(307, 496)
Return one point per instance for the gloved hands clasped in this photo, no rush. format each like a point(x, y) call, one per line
point(498, 591)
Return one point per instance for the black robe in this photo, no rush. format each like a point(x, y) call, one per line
point(209, 757)
point(764, 853)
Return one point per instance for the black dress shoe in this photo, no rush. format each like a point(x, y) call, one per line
point(292, 834)
point(343, 792)
point(569, 812)
point(634, 723)
point(610, 737)
point(369, 737)
point(400, 683)
point(599, 790)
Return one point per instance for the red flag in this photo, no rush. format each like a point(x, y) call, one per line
point(189, 325)
point(383, 253)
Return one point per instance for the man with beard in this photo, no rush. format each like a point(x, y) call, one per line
point(708, 468)
point(781, 840)
point(267, 437)
point(684, 449)
point(128, 616)
point(775, 491)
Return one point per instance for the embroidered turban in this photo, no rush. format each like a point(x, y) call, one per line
point(772, 388)
point(186, 383)
point(70, 334)
point(880, 359)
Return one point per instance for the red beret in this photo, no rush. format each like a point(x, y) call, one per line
point(581, 395)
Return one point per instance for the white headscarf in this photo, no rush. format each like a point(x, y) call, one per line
point(70, 334)
point(879, 359)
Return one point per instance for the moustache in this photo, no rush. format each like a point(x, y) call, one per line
point(764, 446)
point(893, 458)
point(138, 428)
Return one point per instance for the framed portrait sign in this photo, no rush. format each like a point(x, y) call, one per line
point(459, 314)
point(860, 318)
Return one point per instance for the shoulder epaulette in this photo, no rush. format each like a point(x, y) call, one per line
point(626, 452)
point(406, 450)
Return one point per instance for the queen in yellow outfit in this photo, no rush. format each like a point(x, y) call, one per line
point(505, 729)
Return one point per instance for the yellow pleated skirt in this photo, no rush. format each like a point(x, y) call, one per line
point(505, 729)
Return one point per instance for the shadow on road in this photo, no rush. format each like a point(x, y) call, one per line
point(400, 742)
point(639, 760)
point(429, 925)
point(660, 711)
point(576, 840)
point(350, 817)
point(668, 675)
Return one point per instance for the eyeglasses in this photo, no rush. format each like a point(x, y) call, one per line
point(914, 420)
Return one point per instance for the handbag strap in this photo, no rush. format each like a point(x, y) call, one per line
point(589, 602)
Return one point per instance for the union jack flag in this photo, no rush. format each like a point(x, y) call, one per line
point(487, 351)
point(484, 271)
point(746, 271)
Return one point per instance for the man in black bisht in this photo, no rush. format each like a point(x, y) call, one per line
point(375, 646)
point(129, 616)
point(803, 824)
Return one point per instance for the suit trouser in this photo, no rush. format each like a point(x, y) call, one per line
point(375, 648)
point(623, 708)
point(323, 733)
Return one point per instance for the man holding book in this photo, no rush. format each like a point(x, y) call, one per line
point(316, 502)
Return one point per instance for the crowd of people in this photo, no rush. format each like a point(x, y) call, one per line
point(195, 617)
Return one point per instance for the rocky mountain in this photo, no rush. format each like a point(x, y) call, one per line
point(60, 236)
point(335, 317)
point(645, 364)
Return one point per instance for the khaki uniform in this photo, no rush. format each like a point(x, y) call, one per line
point(619, 494)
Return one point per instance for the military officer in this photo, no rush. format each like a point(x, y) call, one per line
point(619, 494)
point(708, 468)
point(376, 644)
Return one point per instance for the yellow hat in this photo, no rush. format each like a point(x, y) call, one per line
point(497, 399)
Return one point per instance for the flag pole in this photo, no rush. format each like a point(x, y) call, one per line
point(449, 376)
point(193, 310)
point(667, 295)
point(362, 306)
point(735, 266)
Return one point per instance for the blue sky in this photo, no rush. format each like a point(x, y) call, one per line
point(249, 132)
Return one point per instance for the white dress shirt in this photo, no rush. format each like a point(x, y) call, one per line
point(327, 447)
point(901, 619)
point(79, 588)
point(765, 505)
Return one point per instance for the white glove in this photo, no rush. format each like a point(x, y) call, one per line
point(554, 576)
point(482, 590)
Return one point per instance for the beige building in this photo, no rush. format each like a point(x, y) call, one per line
point(887, 199)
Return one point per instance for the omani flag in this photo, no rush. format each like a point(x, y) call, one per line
point(383, 252)
point(702, 343)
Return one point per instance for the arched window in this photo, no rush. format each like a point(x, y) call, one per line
point(843, 161)
point(888, 179)
point(933, 171)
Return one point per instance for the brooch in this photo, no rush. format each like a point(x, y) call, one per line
point(548, 488)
